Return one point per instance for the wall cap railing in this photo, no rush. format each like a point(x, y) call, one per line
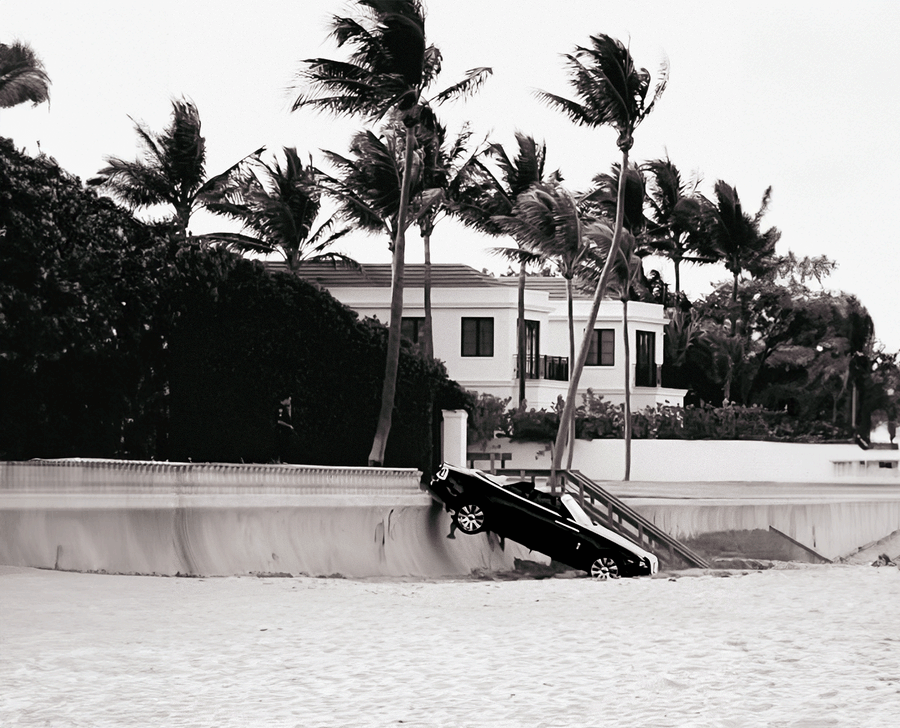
point(108, 475)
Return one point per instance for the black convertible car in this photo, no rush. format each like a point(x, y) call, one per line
point(553, 525)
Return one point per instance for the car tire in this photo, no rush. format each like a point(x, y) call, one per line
point(470, 518)
point(605, 567)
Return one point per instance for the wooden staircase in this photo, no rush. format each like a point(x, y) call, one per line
point(610, 512)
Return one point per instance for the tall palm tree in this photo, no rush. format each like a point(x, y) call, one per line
point(482, 197)
point(626, 276)
point(278, 213)
point(674, 208)
point(733, 236)
point(610, 91)
point(628, 267)
point(548, 225)
point(389, 68)
point(22, 76)
point(172, 170)
point(368, 188)
point(443, 167)
point(368, 183)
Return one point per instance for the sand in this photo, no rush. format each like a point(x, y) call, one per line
point(803, 646)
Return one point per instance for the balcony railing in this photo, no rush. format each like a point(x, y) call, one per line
point(555, 368)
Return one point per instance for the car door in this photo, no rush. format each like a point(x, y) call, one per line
point(536, 524)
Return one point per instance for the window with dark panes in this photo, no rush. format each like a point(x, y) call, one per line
point(532, 349)
point(477, 336)
point(411, 327)
point(603, 348)
point(645, 359)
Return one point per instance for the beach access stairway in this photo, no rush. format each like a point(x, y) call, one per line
point(612, 513)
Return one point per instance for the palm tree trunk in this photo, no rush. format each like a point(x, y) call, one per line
point(426, 335)
point(571, 314)
point(575, 375)
point(734, 298)
point(520, 354)
point(392, 362)
point(627, 390)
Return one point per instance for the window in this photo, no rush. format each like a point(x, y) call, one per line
point(478, 337)
point(603, 349)
point(645, 366)
point(411, 327)
point(532, 349)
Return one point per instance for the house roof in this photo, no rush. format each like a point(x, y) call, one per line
point(443, 275)
point(553, 285)
point(378, 275)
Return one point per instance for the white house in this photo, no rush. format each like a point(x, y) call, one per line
point(474, 329)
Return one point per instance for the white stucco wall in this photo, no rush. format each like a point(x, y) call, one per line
point(714, 460)
point(496, 374)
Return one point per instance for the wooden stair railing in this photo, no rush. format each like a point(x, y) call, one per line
point(612, 513)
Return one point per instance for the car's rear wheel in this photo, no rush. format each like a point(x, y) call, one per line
point(470, 518)
point(605, 567)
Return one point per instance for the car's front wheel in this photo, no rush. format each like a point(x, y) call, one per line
point(470, 518)
point(605, 567)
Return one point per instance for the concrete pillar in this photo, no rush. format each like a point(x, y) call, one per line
point(453, 441)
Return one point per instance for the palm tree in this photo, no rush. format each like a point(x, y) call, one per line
point(627, 274)
point(172, 171)
point(368, 183)
point(443, 168)
point(548, 226)
point(611, 91)
point(389, 68)
point(733, 236)
point(368, 188)
point(628, 266)
point(482, 198)
point(22, 76)
point(279, 212)
point(674, 207)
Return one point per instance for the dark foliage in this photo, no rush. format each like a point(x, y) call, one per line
point(115, 343)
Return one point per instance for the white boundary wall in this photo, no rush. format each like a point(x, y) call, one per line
point(714, 460)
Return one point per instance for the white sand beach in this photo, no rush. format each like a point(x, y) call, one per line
point(795, 646)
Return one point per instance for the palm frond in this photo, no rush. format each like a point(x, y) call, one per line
point(237, 242)
point(133, 183)
point(22, 76)
point(216, 188)
point(473, 80)
point(579, 113)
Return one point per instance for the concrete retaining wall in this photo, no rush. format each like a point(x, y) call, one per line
point(832, 529)
point(216, 519)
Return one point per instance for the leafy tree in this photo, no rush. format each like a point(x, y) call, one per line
point(81, 287)
point(171, 172)
point(22, 76)
point(389, 68)
point(280, 211)
point(808, 351)
point(611, 91)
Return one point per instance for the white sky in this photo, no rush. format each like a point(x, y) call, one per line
point(801, 96)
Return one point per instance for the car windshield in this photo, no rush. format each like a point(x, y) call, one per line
point(576, 511)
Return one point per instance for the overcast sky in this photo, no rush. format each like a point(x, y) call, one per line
point(799, 95)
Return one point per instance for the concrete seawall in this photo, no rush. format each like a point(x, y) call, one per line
point(213, 519)
point(831, 519)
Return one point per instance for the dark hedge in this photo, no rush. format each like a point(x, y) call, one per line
point(116, 343)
